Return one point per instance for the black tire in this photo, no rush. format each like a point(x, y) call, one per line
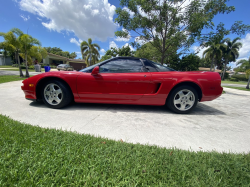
point(59, 70)
point(66, 94)
point(173, 95)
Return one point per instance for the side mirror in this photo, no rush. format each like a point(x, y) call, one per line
point(95, 71)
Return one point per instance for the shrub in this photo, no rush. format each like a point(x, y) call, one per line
point(226, 75)
point(234, 79)
point(14, 65)
point(23, 66)
point(31, 67)
point(240, 77)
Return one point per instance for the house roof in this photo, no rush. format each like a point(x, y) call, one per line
point(65, 58)
point(208, 69)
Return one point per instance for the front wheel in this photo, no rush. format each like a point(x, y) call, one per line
point(56, 94)
point(182, 100)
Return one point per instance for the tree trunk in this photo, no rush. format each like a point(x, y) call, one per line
point(90, 59)
point(162, 59)
point(224, 71)
point(248, 83)
point(214, 66)
point(18, 60)
point(26, 63)
point(212, 63)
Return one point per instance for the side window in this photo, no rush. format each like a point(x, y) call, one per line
point(160, 67)
point(150, 67)
point(121, 66)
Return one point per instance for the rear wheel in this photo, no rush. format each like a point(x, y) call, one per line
point(56, 94)
point(182, 100)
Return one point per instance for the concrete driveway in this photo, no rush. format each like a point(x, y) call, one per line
point(235, 85)
point(222, 125)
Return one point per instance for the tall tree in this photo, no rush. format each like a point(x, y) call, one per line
point(186, 63)
point(114, 52)
point(244, 65)
point(73, 55)
point(89, 51)
point(148, 51)
point(173, 26)
point(26, 44)
point(213, 52)
point(231, 52)
point(59, 51)
point(12, 43)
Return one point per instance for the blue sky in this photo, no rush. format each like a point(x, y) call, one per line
point(64, 23)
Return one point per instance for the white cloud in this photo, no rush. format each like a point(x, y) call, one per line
point(199, 50)
point(233, 64)
point(102, 51)
point(86, 18)
point(24, 17)
point(131, 48)
point(140, 41)
point(39, 19)
point(73, 40)
point(129, 11)
point(245, 50)
point(119, 39)
point(112, 44)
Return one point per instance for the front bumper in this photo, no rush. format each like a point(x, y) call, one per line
point(30, 92)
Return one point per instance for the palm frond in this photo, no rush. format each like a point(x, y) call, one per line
point(90, 41)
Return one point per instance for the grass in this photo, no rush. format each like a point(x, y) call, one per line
point(30, 70)
point(238, 88)
point(232, 82)
point(34, 156)
point(7, 67)
point(10, 78)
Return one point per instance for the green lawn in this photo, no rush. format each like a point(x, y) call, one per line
point(30, 70)
point(6, 67)
point(34, 156)
point(238, 88)
point(9, 78)
point(232, 82)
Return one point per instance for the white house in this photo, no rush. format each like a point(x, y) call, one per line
point(5, 61)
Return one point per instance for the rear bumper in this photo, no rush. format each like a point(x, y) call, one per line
point(212, 94)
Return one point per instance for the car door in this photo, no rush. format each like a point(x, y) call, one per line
point(95, 88)
point(131, 78)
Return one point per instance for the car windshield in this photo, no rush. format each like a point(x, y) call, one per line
point(162, 67)
point(63, 65)
point(92, 67)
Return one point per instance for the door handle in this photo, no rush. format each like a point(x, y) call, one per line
point(145, 75)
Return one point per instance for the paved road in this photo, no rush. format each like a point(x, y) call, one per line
point(235, 85)
point(221, 125)
point(2, 72)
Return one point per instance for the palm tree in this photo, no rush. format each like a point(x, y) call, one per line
point(12, 43)
point(245, 66)
point(26, 44)
point(213, 52)
point(231, 52)
point(89, 51)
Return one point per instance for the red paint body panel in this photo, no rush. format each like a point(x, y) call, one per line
point(142, 88)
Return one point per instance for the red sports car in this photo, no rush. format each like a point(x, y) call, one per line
point(125, 80)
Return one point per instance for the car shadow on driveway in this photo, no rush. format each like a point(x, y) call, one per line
point(201, 109)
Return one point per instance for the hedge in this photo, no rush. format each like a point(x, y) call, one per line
point(240, 77)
